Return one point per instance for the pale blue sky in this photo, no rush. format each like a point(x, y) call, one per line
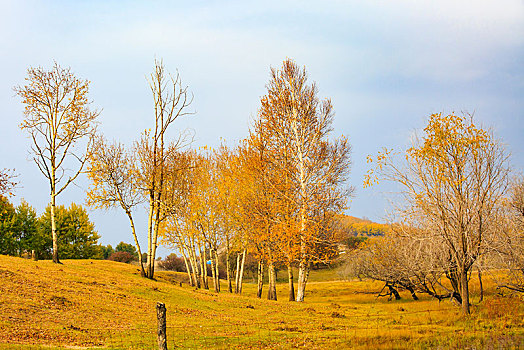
point(386, 65)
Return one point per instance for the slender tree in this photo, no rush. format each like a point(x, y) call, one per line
point(171, 101)
point(113, 174)
point(57, 118)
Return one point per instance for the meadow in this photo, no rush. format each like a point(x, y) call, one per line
point(93, 304)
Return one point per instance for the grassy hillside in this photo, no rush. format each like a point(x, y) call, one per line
point(104, 304)
point(353, 226)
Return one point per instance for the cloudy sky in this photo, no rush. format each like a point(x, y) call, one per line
point(386, 65)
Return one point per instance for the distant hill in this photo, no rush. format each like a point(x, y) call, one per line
point(352, 231)
point(353, 226)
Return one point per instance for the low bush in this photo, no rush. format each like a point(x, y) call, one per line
point(173, 263)
point(124, 257)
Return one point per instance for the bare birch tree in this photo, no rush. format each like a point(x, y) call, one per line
point(509, 246)
point(171, 101)
point(57, 118)
point(114, 183)
point(148, 173)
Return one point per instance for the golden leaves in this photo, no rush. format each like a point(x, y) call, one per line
point(371, 177)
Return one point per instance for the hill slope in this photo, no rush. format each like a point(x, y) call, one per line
point(82, 302)
point(105, 304)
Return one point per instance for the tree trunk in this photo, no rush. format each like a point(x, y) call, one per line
point(241, 275)
point(150, 235)
point(393, 292)
point(237, 274)
point(464, 291)
point(454, 279)
point(272, 291)
point(217, 271)
point(204, 269)
point(53, 228)
point(260, 278)
point(290, 281)
point(481, 287)
point(213, 272)
point(133, 231)
point(204, 273)
point(157, 190)
point(228, 270)
point(303, 274)
point(201, 268)
point(156, 228)
point(195, 269)
point(153, 256)
point(188, 270)
point(412, 291)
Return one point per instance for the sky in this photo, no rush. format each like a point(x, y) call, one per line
point(385, 65)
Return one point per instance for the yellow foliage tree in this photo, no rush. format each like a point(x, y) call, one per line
point(57, 118)
point(295, 127)
point(454, 178)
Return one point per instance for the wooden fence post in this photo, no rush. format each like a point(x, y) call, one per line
point(161, 333)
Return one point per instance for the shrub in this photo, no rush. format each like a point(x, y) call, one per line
point(126, 247)
point(124, 257)
point(173, 263)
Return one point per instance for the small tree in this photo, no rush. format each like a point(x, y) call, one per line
point(126, 179)
point(77, 238)
point(18, 228)
point(126, 247)
point(7, 223)
point(107, 251)
point(124, 257)
point(114, 183)
point(173, 263)
point(26, 228)
point(57, 118)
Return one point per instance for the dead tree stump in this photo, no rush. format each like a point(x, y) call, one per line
point(161, 333)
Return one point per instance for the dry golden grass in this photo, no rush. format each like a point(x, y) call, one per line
point(104, 304)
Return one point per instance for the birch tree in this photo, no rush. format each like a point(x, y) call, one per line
point(148, 173)
point(297, 126)
point(260, 209)
point(171, 101)
point(61, 126)
point(113, 174)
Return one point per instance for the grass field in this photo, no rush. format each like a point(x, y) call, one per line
point(103, 304)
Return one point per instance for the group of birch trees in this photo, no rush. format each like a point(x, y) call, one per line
point(274, 195)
